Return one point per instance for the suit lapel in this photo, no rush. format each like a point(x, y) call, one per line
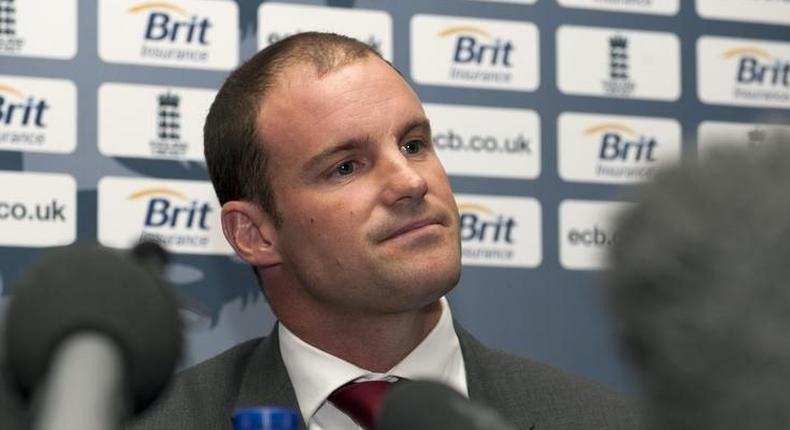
point(484, 385)
point(266, 380)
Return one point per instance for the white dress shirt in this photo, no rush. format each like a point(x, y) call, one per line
point(315, 374)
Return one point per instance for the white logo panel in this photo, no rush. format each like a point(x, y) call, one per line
point(175, 33)
point(615, 149)
point(277, 21)
point(657, 7)
point(44, 28)
point(484, 141)
point(587, 232)
point(762, 11)
point(509, 1)
point(37, 115)
point(474, 53)
point(618, 63)
point(145, 121)
point(500, 231)
point(182, 216)
point(743, 72)
point(37, 209)
point(712, 135)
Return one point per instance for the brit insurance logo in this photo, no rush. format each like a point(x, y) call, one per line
point(588, 232)
point(37, 209)
point(277, 21)
point(26, 30)
point(471, 139)
point(500, 231)
point(654, 7)
point(182, 216)
point(479, 53)
point(37, 115)
point(143, 121)
point(760, 11)
point(615, 149)
point(185, 33)
point(618, 63)
point(743, 72)
point(715, 135)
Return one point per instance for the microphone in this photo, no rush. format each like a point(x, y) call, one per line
point(700, 289)
point(92, 336)
point(426, 405)
point(151, 256)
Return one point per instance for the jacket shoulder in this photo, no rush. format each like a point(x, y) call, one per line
point(202, 394)
point(551, 384)
point(531, 393)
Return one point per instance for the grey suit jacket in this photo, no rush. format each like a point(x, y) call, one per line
point(528, 394)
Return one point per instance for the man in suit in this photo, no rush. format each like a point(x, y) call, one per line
point(321, 155)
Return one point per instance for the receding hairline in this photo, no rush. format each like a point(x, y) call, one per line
point(295, 61)
point(235, 148)
point(297, 64)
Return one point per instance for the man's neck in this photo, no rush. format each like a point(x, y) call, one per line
point(373, 342)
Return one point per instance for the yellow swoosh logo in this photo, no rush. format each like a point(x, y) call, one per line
point(157, 191)
point(158, 5)
point(11, 90)
point(746, 50)
point(464, 29)
point(474, 207)
point(609, 126)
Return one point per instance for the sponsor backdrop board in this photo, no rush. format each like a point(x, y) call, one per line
point(587, 232)
point(38, 115)
point(615, 62)
point(174, 130)
point(277, 20)
point(713, 135)
point(658, 7)
point(615, 149)
point(474, 53)
point(546, 113)
point(184, 33)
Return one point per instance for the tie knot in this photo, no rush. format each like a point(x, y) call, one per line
point(361, 400)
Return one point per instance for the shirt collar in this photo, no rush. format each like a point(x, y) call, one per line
point(315, 374)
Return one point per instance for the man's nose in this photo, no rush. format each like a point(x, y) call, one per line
point(403, 181)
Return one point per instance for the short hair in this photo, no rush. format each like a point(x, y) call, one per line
point(235, 153)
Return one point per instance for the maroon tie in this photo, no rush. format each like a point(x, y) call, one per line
point(361, 400)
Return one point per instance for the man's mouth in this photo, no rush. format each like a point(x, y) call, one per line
point(411, 227)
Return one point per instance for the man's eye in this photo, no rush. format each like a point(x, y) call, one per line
point(411, 147)
point(345, 168)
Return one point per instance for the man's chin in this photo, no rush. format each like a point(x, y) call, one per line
point(431, 277)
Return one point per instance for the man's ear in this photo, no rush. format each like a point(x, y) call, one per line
point(251, 233)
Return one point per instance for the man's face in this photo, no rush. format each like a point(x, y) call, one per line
point(369, 223)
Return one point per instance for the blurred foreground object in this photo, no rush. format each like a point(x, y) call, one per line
point(426, 405)
point(700, 289)
point(265, 418)
point(91, 337)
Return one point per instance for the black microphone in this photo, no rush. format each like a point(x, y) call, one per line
point(700, 288)
point(425, 405)
point(91, 337)
point(152, 256)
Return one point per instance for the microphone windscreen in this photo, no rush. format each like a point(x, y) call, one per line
point(699, 289)
point(701, 244)
point(78, 289)
point(152, 256)
point(423, 405)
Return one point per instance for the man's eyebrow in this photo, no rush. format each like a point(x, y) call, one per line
point(356, 143)
point(415, 124)
point(347, 146)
